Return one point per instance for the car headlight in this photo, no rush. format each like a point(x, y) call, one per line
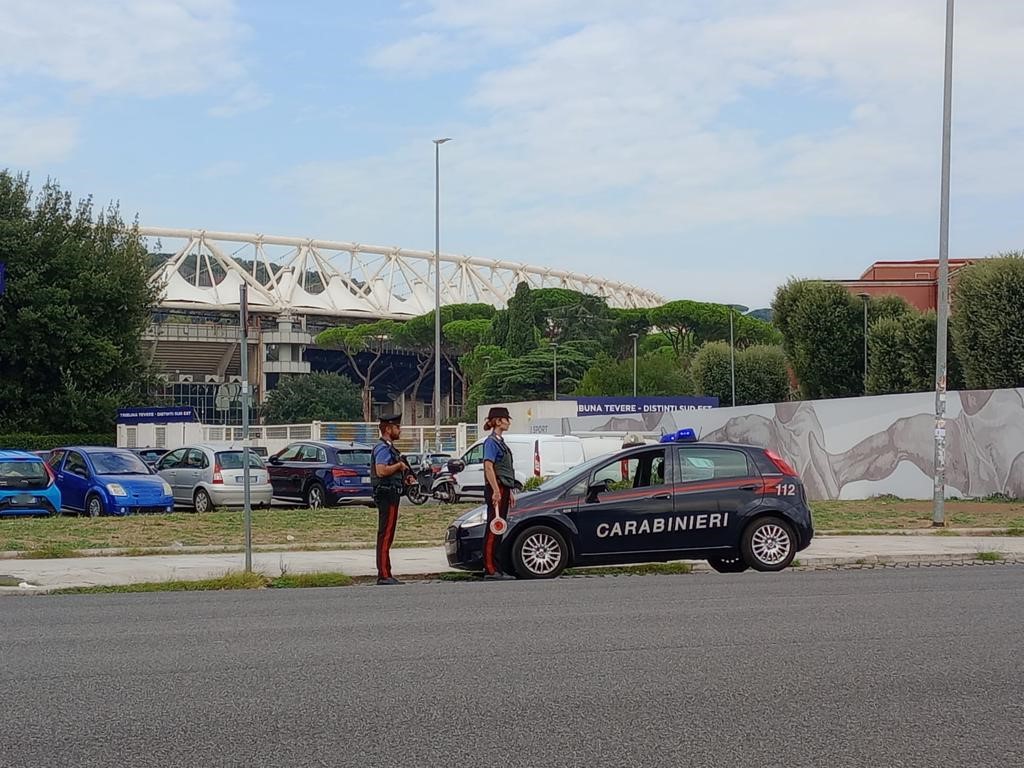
point(167, 488)
point(477, 517)
point(116, 489)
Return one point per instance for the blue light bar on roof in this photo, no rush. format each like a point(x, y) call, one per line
point(681, 436)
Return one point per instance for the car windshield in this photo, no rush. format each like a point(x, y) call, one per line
point(23, 474)
point(573, 475)
point(354, 458)
point(233, 460)
point(119, 464)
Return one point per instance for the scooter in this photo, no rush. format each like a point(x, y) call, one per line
point(440, 486)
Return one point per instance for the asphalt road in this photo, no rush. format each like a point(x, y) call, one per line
point(915, 667)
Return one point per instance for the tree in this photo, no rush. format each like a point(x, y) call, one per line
point(372, 338)
point(761, 374)
point(688, 324)
point(823, 337)
point(530, 376)
point(624, 323)
point(313, 397)
point(79, 297)
point(522, 332)
point(463, 337)
point(988, 315)
point(901, 355)
point(658, 375)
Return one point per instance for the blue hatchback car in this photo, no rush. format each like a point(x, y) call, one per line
point(27, 486)
point(108, 481)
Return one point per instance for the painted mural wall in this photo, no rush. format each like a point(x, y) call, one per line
point(856, 448)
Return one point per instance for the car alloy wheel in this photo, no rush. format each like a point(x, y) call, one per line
point(769, 544)
point(728, 564)
point(94, 507)
point(315, 496)
point(202, 501)
point(540, 553)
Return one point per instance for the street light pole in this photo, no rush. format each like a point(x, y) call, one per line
point(243, 321)
point(437, 291)
point(939, 499)
point(732, 359)
point(634, 336)
point(865, 297)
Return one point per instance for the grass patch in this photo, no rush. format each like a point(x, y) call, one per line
point(990, 557)
point(304, 580)
point(9, 581)
point(49, 552)
point(229, 581)
point(886, 512)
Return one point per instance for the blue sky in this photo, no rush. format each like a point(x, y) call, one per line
point(705, 150)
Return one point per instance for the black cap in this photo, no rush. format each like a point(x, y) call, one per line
point(390, 418)
point(498, 413)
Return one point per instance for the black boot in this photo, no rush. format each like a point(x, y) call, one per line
point(389, 580)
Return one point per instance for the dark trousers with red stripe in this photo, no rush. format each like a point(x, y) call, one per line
point(387, 519)
point(491, 560)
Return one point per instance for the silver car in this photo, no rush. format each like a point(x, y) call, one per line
point(204, 477)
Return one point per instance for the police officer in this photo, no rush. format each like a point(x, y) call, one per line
point(388, 476)
point(499, 480)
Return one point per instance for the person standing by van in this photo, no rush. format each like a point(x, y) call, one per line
point(499, 480)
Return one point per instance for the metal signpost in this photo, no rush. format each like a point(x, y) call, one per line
point(243, 303)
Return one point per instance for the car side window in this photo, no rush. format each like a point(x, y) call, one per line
point(196, 459)
point(172, 460)
point(55, 459)
point(474, 455)
point(76, 465)
point(640, 470)
point(321, 456)
point(697, 463)
point(291, 453)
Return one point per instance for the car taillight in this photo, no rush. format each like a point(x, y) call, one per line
point(49, 473)
point(781, 463)
point(218, 478)
point(340, 472)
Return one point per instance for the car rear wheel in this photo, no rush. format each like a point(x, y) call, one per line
point(94, 506)
point(540, 552)
point(728, 564)
point(202, 502)
point(315, 496)
point(768, 544)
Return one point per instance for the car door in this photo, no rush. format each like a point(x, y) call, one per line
point(635, 514)
point(74, 480)
point(168, 468)
point(191, 472)
point(715, 485)
point(471, 479)
point(282, 471)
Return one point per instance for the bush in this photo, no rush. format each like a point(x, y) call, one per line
point(27, 441)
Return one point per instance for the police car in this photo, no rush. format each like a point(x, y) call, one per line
point(736, 506)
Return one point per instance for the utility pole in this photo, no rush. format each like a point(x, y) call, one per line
point(635, 337)
point(243, 311)
point(437, 292)
point(732, 358)
point(939, 500)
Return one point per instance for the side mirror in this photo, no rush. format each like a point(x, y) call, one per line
point(275, 460)
point(594, 489)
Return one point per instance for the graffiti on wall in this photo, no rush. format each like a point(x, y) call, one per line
point(862, 447)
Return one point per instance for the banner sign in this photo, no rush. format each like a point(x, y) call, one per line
point(613, 406)
point(172, 415)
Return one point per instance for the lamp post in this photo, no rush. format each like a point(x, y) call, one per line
point(865, 297)
point(939, 498)
point(634, 336)
point(554, 389)
point(437, 291)
point(732, 358)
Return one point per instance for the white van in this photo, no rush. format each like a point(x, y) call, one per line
point(532, 456)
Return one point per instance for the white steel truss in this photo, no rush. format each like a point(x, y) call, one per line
point(339, 279)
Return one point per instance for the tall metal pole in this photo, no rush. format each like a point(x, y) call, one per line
point(635, 336)
point(865, 345)
point(554, 389)
point(243, 311)
point(732, 359)
point(939, 500)
point(437, 292)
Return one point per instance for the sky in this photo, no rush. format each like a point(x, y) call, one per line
point(703, 149)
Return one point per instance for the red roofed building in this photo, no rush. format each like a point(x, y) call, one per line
point(916, 281)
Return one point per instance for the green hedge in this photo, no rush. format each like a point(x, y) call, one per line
point(26, 441)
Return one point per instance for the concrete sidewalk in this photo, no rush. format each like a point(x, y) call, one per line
point(824, 551)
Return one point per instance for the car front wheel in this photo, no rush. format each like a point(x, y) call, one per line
point(94, 506)
point(540, 552)
point(768, 544)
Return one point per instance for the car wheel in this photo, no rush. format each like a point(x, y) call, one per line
point(202, 502)
point(728, 564)
point(94, 506)
point(768, 544)
point(540, 552)
point(315, 496)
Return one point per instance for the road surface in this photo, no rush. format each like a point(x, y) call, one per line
point(887, 667)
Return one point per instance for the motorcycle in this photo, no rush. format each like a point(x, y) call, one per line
point(430, 485)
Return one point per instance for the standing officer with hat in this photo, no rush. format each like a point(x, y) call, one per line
point(499, 480)
point(388, 477)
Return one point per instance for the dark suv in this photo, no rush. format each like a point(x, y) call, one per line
point(321, 473)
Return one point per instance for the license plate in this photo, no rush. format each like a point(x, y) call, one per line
point(24, 499)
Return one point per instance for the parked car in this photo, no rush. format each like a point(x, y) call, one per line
point(108, 481)
point(27, 485)
point(532, 456)
point(736, 506)
point(149, 455)
point(204, 477)
point(322, 473)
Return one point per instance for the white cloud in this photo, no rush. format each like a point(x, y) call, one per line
point(141, 48)
point(247, 98)
point(28, 141)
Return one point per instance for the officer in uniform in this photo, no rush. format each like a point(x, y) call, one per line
point(499, 480)
point(389, 474)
